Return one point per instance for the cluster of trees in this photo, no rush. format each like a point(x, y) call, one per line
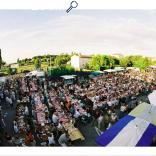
point(61, 66)
point(108, 62)
point(31, 61)
point(98, 61)
point(60, 62)
point(53, 60)
point(57, 64)
point(137, 61)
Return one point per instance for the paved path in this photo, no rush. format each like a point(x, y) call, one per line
point(9, 114)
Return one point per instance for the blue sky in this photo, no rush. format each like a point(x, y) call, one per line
point(26, 33)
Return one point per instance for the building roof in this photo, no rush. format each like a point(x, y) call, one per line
point(66, 77)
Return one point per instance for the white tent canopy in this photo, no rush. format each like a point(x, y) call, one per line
point(133, 68)
point(37, 73)
point(154, 67)
point(67, 77)
point(152, 98)
point(116, 69)
point(135, 129)
point(3, 79)
point(110, 70)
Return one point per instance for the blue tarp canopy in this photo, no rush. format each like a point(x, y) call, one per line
point(136, 129)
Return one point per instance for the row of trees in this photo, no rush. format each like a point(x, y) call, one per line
point(50, 60)
point(106, 61)
point(95, 63)
point(30, 61)
point(98, 61)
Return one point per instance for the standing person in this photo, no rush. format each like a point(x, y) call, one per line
point(13, 96)
point(7, 101)
point(26, 111)
point(96, 114)
point(16, 130)
point(77, 114)
point(63, 139)
point(100, 124)
point(11, 102)
point(2, 122)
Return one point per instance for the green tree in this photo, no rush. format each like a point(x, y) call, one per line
point(106, 60)
point(126, 61)
point(9, 71)
point(116, 61)
point(136, 61)
point(62, 70)
point(18, 60)
point(153, 62)
point(3, 63)
point(141, 62)
point(62, 59)
point(96, 62)
point(37, 63)
point(111, 62)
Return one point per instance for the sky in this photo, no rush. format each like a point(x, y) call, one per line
point(28, 33)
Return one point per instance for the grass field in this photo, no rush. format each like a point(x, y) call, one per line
point(31, 67)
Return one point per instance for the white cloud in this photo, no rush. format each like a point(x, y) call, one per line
point(82, 33)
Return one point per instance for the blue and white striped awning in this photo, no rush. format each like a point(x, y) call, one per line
point(135, 129)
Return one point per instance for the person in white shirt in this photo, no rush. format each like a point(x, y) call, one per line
point(7, 101)
point(109, 125)
point(63, 139)
point(95, 105)
point(100, 120)
point(13, 97)
point(26, 111)
point(51, 140)
point(16, 130)
point(33, 113)
point(10, 102)
point(97, 98)
point(77, 114)
point(1, 95)
point(2, 122)
point(60, 126)
point(109, 103)
point(55, 118)
point(123, 108)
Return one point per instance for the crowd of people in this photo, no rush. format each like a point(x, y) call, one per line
point(47, 110)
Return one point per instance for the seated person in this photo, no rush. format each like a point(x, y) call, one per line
point(51, 140)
